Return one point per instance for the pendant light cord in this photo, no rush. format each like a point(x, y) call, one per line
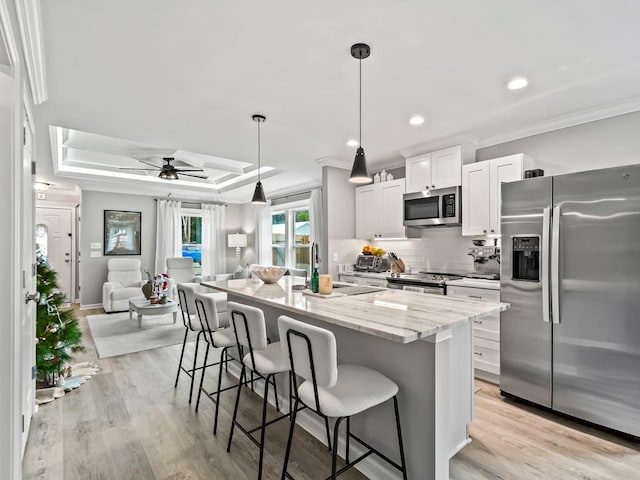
point(259, 121)
point(360, 119)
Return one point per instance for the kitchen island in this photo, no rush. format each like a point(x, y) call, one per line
point(423, 342)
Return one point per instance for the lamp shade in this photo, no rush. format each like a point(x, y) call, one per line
point(259, 197)
point(237, 240)
point(360, 172)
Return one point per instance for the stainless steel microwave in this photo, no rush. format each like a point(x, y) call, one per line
point(433, 208)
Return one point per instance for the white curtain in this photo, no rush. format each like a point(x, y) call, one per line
point(315, 218)
point(263, 234)
point(213, 241)
point(168, 233)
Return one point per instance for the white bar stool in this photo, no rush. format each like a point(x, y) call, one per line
point(264, 358)
point(332, 390)
point(217, 335)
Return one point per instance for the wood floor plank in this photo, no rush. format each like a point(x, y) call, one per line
point(130, 423)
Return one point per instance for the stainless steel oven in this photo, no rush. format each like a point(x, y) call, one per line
point(433, 208)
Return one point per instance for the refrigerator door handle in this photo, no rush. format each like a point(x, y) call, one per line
point(555, 266)
point(546, 227)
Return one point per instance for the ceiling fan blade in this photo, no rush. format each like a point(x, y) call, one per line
point(151, 164)
point(194, 176)
point(189, 170)
point(140, 169)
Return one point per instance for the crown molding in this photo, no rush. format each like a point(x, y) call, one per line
point(30, 24)
point(331, 162)
point(565, 121)
point(466, 139)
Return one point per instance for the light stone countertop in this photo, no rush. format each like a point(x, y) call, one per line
point(396, 315)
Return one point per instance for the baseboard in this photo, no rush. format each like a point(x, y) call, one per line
point(90, 306)
point(371, 467)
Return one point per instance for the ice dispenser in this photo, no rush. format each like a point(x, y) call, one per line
point(526, 258)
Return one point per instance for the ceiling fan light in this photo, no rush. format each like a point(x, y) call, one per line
point(259, 198)
point(168, 175)
point(359, 171)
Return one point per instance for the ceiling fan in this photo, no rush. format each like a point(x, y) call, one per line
point(168, 171)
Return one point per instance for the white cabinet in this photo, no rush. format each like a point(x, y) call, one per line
point(481, 190)
point(379, 210)
point(486, 332)
point(439, 169)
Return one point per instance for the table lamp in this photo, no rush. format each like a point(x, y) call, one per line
point(237, 240)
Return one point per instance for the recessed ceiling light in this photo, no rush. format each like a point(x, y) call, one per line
point(517, 83)
point(352, 143)
point(416, 120)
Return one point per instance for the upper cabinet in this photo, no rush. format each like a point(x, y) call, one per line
point(481, 192)
point(439, 169)
point(379, 210)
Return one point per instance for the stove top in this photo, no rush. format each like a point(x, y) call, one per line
point(423, 278)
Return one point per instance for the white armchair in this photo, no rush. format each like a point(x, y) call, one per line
point(124, 281)
point(180, 270)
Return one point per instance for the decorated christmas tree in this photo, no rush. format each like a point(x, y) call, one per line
point(57, 331)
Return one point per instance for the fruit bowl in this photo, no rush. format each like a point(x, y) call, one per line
point(269, 274)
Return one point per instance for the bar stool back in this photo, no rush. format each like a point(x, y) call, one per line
point(216, 336)
point(332, 390)
point(264, 358)
point(186, 297)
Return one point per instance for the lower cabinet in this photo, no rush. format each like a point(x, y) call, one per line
point(486, 333)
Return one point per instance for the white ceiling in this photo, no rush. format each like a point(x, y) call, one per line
point(188, 75)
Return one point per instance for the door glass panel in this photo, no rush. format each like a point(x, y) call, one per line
point(42, 239)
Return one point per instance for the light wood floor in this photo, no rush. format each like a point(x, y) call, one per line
point(129, 422)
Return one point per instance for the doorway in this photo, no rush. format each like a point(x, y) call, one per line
point(54, 241)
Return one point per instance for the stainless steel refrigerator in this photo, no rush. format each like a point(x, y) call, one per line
point(571, 272)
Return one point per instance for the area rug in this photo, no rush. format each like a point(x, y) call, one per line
point(114, 334)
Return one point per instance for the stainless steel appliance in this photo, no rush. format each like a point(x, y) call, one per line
point(571, 272)
point(425, 282)
point(433, 208)
point(372, 263)
point(486, 262)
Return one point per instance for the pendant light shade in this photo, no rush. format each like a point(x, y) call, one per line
point(259, 198)
point(359, 171)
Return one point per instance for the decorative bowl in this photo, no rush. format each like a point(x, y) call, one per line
point(269, 274)
point(154, 300)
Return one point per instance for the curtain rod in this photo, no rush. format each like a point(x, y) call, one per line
point(296, 194)
point(201, 202)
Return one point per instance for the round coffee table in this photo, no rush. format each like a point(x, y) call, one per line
point(142, 306)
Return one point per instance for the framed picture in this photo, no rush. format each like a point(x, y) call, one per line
point(122, 232)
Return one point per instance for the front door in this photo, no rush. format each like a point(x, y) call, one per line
point(53, 239)
point(28, 267)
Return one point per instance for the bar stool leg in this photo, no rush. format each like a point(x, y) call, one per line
point(346, 455)
point(204, 367)
point(215, 420)
point(235, 409)
point(265, 401)
point(275, 392)
point(294, 412)
point(400, 444)
point(195, 359)
point(184, 344)
point(326, 426)
point(334, 455)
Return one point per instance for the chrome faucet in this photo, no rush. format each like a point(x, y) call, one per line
point(315, 255)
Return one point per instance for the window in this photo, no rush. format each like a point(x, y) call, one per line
point(192, 238)
point(291, 237)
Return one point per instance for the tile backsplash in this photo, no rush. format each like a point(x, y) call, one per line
point(438, 250)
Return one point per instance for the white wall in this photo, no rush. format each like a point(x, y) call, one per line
point(604, 143)
point(93, 270)
point(338, 201)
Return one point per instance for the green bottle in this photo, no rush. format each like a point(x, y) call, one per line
point(315, 281)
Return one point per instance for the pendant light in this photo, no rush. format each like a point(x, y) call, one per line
point(259, 197)
point(359, 171)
